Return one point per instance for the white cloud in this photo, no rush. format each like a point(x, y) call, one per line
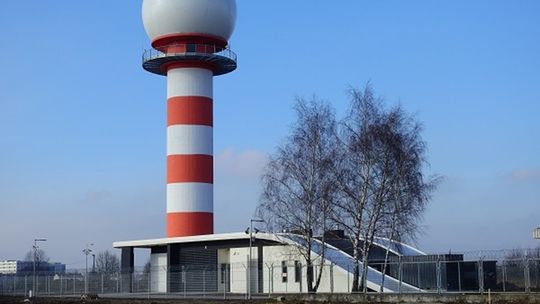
point(525, 174)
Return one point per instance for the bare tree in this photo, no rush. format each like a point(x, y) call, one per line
point(107, 262)
point(409, 189)
point(297, 187)
point(383, 190)
point(147, 267)
point(41, 258)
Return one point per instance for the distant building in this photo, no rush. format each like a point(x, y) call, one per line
point(27, 267)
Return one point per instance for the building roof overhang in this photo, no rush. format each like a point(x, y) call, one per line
point(236, 239)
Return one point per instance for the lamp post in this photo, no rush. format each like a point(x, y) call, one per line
point(536, 233)
point(93, 263)
point(86, 251)
point(251, 221)
point(35, 247)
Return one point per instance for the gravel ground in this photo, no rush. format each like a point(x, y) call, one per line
point(21, 300)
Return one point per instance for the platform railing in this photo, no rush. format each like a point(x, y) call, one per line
point(199, 50)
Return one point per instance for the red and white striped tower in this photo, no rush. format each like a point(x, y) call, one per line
point(189, 40)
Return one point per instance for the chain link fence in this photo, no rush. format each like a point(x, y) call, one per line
point(265, 279)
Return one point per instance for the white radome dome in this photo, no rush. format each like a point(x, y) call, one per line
point(175, 17)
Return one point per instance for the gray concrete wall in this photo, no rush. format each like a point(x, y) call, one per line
point(497, 298)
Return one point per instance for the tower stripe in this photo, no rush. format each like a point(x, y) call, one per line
point(189, 110)
point(189, 81)
point(190, 139)
point(186, 168)
point(189, 223)
point(190, 197)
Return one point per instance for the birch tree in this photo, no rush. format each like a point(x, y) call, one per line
point(381, 184)
point(298, 190)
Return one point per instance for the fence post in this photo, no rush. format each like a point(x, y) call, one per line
point(439, 276)
point(418, 279)
point(481, 276)
point(149, 282)
point(527, 276)
point(504, 276)
point(204, 282)
point(269, 281)
point(331, 277)
point(459, 274)
point(348, 279)
point(184, 279)
point(400, 273)
point(25, 286)
point(225, 284)
point(102, 283)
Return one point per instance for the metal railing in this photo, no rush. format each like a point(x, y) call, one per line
point(231, 280)
point(198, 50)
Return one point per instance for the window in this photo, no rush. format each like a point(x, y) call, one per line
point(191, 48)
point(297, 271)
point(283, 272)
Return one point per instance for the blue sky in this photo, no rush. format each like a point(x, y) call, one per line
point(82, 126)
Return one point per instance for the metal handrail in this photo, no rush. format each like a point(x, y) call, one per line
point(203, 50)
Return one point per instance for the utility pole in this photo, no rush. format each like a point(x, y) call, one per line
point(86, 251)
point(35, 247)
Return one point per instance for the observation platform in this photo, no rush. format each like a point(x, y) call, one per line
point(221, 60)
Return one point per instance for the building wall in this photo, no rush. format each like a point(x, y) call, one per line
point(238, 258)
point(280, 275)
point(273, 277)
point(8, 267)
point(26, 267)
point(283, 270)
point(158, 275)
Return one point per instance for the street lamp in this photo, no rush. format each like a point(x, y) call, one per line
point(86, 251)
point(536, 233)
point(250, 231)
point(35, 247)
point(93, 263)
